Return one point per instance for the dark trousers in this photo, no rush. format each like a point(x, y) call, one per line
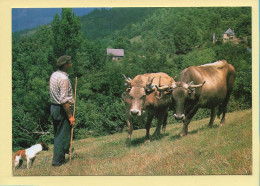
point(62, 133)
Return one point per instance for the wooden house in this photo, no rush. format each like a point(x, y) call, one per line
point(115, 53)
point(229, 35)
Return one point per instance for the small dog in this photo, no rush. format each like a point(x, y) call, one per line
point(28, 154)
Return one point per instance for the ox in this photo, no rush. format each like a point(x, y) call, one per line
point(147, 96)
point(205, 86)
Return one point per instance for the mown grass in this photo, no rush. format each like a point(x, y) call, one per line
point(223, 150)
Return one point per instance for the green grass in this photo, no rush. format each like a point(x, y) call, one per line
point(223, 150)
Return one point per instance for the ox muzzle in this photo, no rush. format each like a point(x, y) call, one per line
point(179, 116)
point(135, 112)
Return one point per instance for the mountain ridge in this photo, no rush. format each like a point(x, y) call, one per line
point(29, 18)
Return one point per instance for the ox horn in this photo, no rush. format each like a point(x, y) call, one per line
point(149, 84)
point(150, 81)
point(127, 79)
point(164, 87)
point(196, 86)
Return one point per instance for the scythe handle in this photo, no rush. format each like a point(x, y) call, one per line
point(74, 110)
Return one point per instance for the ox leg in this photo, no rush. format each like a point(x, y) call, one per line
point(184, 131)
point(148, 126)
point(212, 117)
point(160, 119)
point(165, 122)
point(129, 132)
point(224, 108)
point(187, 120)
point(223, 119)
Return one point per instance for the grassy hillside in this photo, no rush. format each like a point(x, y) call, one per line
point(218, 151)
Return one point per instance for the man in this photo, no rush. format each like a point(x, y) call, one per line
point(61, 98)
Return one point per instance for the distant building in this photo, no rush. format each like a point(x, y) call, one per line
point(115, 53)
point(229, 35)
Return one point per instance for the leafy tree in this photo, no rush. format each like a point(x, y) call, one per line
point(243, 26)
point(30, 76)
point(121, 43)
point(187, 36)
point(67, 36)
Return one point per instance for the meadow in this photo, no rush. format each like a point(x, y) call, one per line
point(219, 150)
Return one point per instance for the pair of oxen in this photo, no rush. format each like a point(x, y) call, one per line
point(151, 94)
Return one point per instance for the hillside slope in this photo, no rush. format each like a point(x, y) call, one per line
point(218, 151)
point(103, 22)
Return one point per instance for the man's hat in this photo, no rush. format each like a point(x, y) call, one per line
point(66, 59)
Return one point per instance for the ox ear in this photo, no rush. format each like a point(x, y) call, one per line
point(191, 90)
point(173, 86)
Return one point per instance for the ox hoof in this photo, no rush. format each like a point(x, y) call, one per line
point(157, 136)
point(221, 125)
point(210, 126)
point(183, 134)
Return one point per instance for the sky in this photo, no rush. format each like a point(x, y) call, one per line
point(27, 18)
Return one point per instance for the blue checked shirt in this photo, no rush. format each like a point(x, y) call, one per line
point(60, 88)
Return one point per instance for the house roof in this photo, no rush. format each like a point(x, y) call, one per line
point(229, 31)
point(115, 52)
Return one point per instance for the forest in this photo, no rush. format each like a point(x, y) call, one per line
point(154, 40)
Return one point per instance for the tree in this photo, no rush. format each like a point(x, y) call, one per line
point(67, 37)
point(243, 26)
point(187, 36)
point(121, 42)
point(30, 77)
